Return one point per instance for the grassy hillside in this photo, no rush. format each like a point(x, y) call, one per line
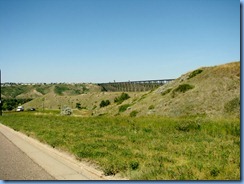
point(34, 91)
point(47, 94)
point(207, 91)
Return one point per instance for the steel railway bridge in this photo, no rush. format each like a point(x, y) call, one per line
point(133, 86)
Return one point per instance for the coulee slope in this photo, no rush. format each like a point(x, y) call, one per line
point(207, 91)
point(211, 91)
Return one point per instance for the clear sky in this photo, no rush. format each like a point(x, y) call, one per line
point(121, 40)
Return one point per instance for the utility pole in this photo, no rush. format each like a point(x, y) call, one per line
point(1, 94)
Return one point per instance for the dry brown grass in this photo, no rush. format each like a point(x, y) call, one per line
point(213, 88)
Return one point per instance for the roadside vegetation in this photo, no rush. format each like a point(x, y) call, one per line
point(11, 104)
point(145, 148)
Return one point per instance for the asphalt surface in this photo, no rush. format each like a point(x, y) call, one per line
point(16, 165)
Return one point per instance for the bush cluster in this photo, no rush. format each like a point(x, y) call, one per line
point(66, 111)
point(121, 98)
point(194, 73)
point(123, 108)
point(133, 113)
point(60, 89)
point(13, 91)
point(183, 88)
point(10, 104)
point(104, 103)
point(78, 106)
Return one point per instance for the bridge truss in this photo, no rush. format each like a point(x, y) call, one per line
point(133, 86)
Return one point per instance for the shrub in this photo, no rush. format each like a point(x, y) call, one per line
point(76, 92)
point(214, 172)
point(66, 111)
point(151, 107)
point(78, 106)
point(188, 125)
point(233, 105)
point(134, 165)
point(166, 91)
point(194, 73)
point(121, 98)
point(114, 167)
point(104, 103)
point(60, 89)
point(133, 113)
point(85, 89)
point(183, 88)
point(123, 108)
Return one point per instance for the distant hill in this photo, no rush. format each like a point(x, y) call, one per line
point(35, 91)
point(207, 91)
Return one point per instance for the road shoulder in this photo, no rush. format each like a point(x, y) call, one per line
point(60, 165)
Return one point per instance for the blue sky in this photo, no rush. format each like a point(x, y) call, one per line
point(121, 40)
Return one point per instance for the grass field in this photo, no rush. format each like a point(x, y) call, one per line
point(145, 148)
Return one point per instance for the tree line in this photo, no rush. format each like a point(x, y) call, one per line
point(12, 103)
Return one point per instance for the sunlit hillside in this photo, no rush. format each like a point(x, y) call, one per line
point(207, 91)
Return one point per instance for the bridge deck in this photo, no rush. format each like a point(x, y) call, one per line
point(134, 86)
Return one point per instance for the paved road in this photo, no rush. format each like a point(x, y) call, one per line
point(16, 165)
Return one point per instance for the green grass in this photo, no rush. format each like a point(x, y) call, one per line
point(145, 148)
